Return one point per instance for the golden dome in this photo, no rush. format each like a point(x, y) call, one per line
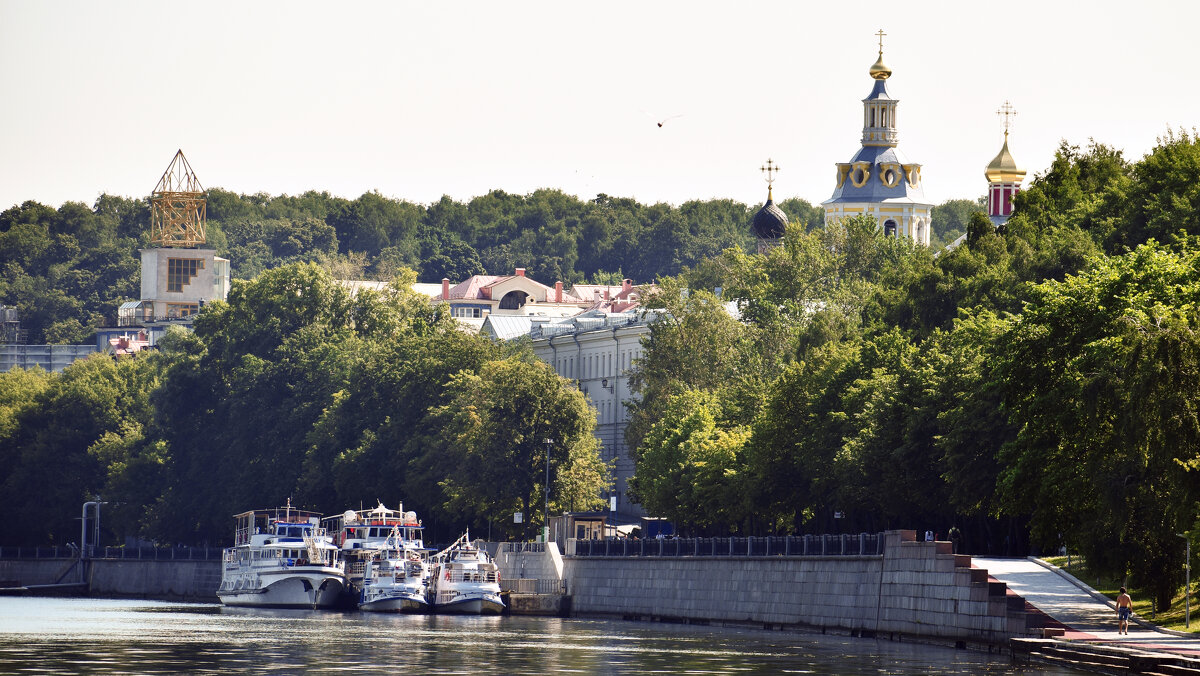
point(879, 70)
point(1003, 169)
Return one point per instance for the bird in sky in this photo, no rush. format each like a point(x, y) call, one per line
point(663, 120)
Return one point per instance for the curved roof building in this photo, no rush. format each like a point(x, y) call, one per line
point(880, 181)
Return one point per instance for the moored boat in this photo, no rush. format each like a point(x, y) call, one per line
point(281, 558)
point(395, 580)
point(465, 580)
point(379, 537)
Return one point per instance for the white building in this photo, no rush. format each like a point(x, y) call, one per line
point(597, 351)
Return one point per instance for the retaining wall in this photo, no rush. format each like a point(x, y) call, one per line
point(174, 580)
point(38, 571)
point(181, 580)
point(914, 588)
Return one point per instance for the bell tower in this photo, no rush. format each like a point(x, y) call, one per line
point(1003, 176)
point(879, 181)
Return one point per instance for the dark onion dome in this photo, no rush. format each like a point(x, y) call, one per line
point(770, 221)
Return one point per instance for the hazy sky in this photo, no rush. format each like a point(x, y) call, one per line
point(420, 99)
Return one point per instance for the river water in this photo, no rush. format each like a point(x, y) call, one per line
point(71, 636)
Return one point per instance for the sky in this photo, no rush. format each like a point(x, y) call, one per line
point(417, 100)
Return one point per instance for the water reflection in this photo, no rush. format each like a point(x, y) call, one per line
point(69, 636)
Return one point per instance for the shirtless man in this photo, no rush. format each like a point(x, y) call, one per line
point(1124, 610)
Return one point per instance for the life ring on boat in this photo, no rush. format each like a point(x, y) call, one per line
point(447, 576)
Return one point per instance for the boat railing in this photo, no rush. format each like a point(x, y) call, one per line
point(845, 544)
point(142, 553)
point(471, 576)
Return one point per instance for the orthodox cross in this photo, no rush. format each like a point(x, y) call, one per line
point(1007, 111)
point(769, 169)
point(881, 34)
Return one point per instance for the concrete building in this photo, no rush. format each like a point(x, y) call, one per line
point(879, 181)
point(597, 350)
point(175, 285)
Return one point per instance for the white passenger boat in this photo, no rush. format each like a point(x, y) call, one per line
point(375, 537)
point(395, 580)
point(465, 580)
point(281, 558)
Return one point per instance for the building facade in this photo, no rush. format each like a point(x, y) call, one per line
point(597, 351)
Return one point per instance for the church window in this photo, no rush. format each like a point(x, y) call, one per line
point(872, 117)
point(889, 228)
point(180, 272)
point(860, 175)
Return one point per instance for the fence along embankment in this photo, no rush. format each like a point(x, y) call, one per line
point(895, 586)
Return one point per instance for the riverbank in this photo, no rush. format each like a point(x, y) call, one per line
point(909, 590)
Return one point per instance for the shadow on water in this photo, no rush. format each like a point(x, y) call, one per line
point(69, 636)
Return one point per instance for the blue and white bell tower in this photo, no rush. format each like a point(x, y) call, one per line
point(879, 181)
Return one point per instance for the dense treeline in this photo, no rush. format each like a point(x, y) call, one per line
point(67, 270)
point(295, 389)
point(1036, 387)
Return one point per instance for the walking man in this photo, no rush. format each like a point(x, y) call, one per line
point(1124, 610)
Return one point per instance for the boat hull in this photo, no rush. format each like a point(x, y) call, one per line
point(482, 604)
point(306, 590)
point(395, 604)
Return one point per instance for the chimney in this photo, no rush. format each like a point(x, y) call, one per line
point(445, 288)
point(558, 292)
point(606, 292)
point(626, 285)
point(520, 272)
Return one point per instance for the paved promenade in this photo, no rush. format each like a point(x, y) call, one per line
point(1086, 613)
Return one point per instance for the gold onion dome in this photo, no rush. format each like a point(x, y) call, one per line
point(879, 70)
point(1003, 169)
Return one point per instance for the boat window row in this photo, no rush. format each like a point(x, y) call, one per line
point(292, 531)
point(471, 576)
point(375, 532)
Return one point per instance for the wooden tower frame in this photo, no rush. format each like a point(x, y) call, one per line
point(178, 208)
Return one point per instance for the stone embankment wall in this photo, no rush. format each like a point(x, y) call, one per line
point(913, 588)
point(38, 571)
point(172, 580)
point(176, 580)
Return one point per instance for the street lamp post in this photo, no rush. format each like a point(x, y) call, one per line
point(546, 496)
point(1187, 585)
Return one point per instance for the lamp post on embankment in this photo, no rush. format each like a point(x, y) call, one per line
point(546, 495)
point(1187, 584)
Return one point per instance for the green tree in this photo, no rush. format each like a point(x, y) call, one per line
point(1099, 377)
point(1164, 197)
point(51, 470)
point(952, 218)
point(492, 451)
point(689, 470)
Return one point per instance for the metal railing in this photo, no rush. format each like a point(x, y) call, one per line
point(532, 585)
point(523, 547)
point(861, 544)
point(141, 553)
